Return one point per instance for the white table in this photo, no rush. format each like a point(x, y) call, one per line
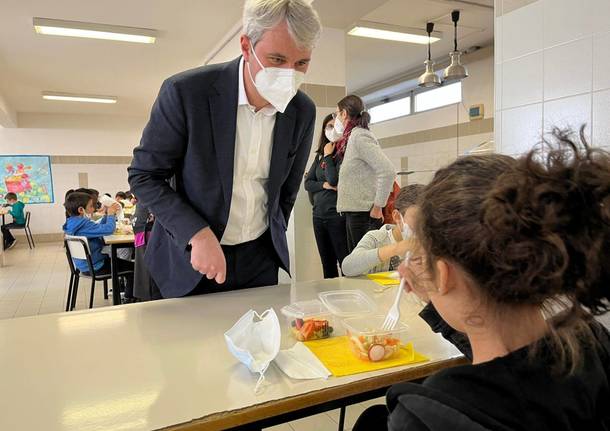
point(165, 364)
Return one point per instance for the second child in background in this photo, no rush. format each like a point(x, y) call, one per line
point(18, 213)
point(384, 249)
point(366, 175)
point(329, 226)
point(80, 207)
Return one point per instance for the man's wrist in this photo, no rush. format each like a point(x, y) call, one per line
point(197, 233)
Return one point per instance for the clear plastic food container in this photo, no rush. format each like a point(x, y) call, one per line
point(309, 320)
point(369, 343)
point(348, 303)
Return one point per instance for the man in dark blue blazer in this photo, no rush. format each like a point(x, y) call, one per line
point(235, 138)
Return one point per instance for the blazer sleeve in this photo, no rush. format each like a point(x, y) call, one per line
point(311, 182)
point(290, 188)
point(157, 158)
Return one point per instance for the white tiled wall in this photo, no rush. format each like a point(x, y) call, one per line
point(426, 158)
point(552, 69)
point(555, 52)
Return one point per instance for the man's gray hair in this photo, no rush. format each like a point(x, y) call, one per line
point(302, 19)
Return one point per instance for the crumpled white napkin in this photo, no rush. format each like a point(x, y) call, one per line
point(300, 363)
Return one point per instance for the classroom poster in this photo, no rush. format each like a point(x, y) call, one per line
point(29, 177)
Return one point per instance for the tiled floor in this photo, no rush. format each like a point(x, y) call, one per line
point(36, 281)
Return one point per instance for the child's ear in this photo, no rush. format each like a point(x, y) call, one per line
point(81, 210)
point(444, 274)
point(396, 217)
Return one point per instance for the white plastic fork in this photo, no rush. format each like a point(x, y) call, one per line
point(394, 313)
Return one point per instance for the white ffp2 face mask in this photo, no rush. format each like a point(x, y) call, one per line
point(339, 128)
point(255, 341)
point(331, 134)
point(406, 230)
point(275, 84)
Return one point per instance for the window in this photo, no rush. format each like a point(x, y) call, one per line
point(445, 95)
point(393, 109)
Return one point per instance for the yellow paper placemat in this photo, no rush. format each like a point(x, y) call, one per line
point(336, 355)
point(383, 278)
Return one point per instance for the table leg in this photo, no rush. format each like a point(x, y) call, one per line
point(342, 418)
point(116, 288)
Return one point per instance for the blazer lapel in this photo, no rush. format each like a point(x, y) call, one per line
point(223, 109)
point(282, 144)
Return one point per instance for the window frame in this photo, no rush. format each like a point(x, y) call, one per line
point(413, 94)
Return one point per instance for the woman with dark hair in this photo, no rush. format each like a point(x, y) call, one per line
point(514, 254)
point(328, 225)
point(366, 175)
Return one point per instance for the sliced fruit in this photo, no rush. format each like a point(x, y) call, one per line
point(376, 352)
point(389, 351)
point(307, 329)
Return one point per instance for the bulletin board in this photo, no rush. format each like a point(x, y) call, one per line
point(29, 177)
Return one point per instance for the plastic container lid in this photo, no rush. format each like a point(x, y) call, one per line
point(348, 303)
point(302, 309)
point(371, 326)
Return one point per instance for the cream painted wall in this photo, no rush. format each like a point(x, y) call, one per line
point(83, 135)
point(552, 68)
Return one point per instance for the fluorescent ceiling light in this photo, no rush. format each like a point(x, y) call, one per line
point(391, 32)
point(67, 97)
point(57, 27)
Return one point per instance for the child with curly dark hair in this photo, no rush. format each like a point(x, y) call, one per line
point(515, 255)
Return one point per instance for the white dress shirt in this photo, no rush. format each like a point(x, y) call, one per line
point(248, 218)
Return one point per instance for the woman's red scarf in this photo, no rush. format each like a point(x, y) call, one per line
point(341, 144)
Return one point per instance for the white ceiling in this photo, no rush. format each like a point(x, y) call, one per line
point(189, 30)
point(30, 63)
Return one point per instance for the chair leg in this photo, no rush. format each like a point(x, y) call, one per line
point(92, 292)
point(105, 289)
point(27, 238)
point(74, 291)
point(31, 237)
point(69, 292)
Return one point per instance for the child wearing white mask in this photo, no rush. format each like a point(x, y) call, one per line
point(384, 249)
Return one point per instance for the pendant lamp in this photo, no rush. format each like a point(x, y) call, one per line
point(429, 78)
point(455, 71)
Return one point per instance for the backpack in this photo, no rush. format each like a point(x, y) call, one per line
point(389, 206)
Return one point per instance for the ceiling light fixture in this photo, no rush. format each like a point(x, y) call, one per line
point(67, 97)
point(429, 78)
point(455, 71)
point(57, 27)
point(395, 33)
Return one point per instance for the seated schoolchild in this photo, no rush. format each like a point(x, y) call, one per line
point(383, 249)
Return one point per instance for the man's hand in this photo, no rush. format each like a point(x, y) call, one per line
point(376, 213)
point(207, 256)
point(327, 186)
